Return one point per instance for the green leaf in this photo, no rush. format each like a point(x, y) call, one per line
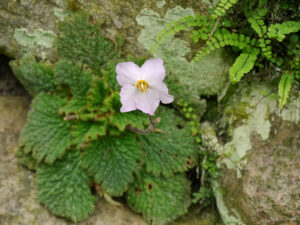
point(64, 188)
point(112, 161)
point(159, 199)
point(243, 64)
point(135, 119)
point(284, 88)
point(222, 7)
point(110, 76)
point(255, 24)
point(279, 31)
point(97, 94)
point(78, 80)
point(35, 77)
point(46, 134)
point(172, 149)
point(26, 160)
point(80, 41)
point(84, 132)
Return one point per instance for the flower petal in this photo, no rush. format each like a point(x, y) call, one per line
point(127, 97)
point(153, 71)
point(162, 90)
point(147, 102)
point(128, 73)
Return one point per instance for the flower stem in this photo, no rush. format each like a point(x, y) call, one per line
point(148, 130)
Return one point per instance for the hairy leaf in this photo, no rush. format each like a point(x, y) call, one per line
point(64, 188)
point(170, 150)
point(97, 94)
point(80, 41)
point(243, 64)
point(78, 80)
point(135, 119)
point(26, 160)
point(46, 134)
point(112, 161)
point(284, 88)
point(35, 77)
point(84, 132)
point(159, 199)
point(109, 74)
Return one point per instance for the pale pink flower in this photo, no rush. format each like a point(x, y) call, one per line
point(142, 87)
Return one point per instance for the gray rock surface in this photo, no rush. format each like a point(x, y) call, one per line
point(260, 158)
point(31, 26)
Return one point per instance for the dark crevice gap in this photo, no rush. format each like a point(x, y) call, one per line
point(9, 84)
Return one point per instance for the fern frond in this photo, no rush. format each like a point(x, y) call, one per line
point(243, 64)
point(258, 24)
point(284, 88)
point(225, 38)
point(184, 23)
point(279, 31)
point(222, 7)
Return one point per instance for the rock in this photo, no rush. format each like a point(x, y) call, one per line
point(260, 158)
point(28, 26)
point(32, 26)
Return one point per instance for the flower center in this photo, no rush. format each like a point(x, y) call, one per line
point(142, 85)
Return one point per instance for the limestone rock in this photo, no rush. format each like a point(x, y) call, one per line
point(260, 158)
point(32, 26)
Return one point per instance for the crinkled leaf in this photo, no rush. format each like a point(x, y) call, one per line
point(80, 41)
point(46, 134)
point(84, 132)
point(284, 88)
point(78, 80)
point(243, 64)
point(159, 199)
point(35, 77)
point(26, 160)
point(113, 102)
point(172, 149)
point(110, 76)
point(97, 94)
point(112, 161)
point(64, 188)
point(134, 119)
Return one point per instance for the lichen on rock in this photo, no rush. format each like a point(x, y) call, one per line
point(260, 157)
